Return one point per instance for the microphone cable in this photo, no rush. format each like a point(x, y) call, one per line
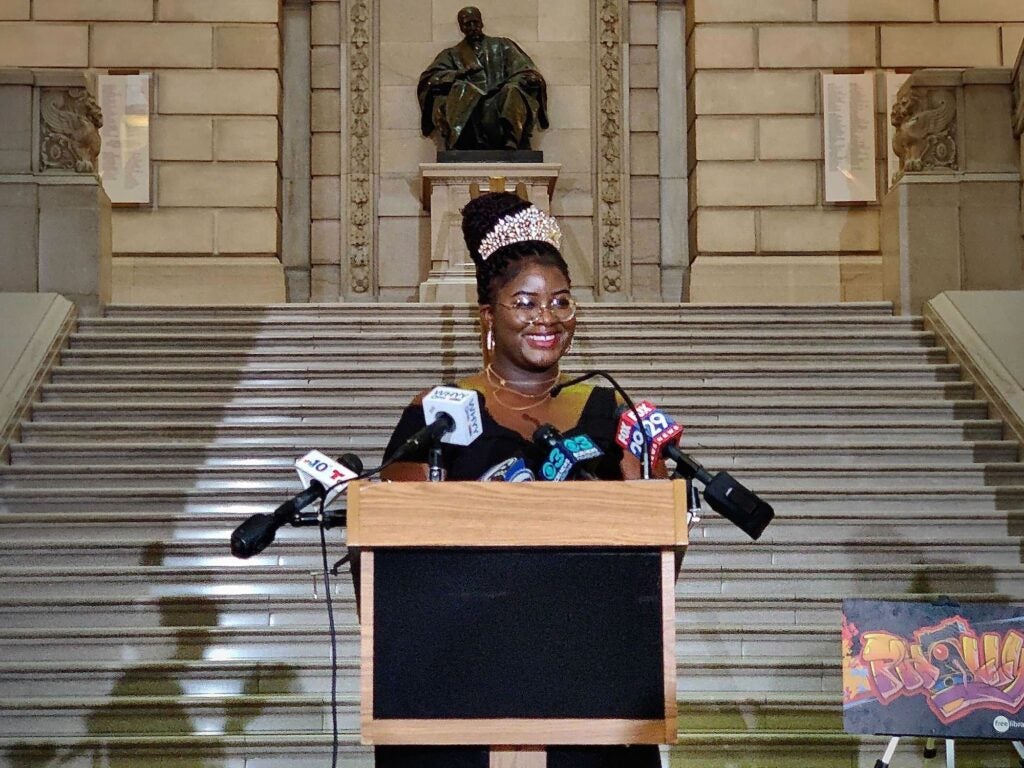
point(333, 634)
point(645, 462)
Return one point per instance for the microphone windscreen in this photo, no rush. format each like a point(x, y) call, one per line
point(659, 427)
point(739, 505)
point(254, 535)
point(351, 461)
point(329, 473)
point(463, 405)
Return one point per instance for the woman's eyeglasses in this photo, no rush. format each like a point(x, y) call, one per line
point(529, 311)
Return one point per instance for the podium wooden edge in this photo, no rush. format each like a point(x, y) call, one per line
point(619, 513)
point(514, 732)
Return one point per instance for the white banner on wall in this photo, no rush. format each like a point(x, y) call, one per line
point(849, 128)
point(124, 156)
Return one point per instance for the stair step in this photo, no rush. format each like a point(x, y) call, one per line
point(281, 474)
point(357, 404)
point(723, 451)
point(295, 683)
point(938, 416)
point(239, 578)
point(802, 524)
point(707, 551)
point(284, 482)
point(217, 343)
point(334, 311)
point(346, 370)
point(344, 357)
point(247, 392)
point(130, 611)
point(103, 644)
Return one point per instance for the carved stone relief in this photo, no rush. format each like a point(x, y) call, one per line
point(70, 120)
point(611, 138)
point(360, 147)
point(925, 122)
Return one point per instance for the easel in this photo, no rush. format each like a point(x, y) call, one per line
point(930, 751)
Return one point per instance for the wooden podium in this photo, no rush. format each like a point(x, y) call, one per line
point(518, 615)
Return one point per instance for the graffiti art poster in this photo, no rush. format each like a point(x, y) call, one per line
point(948, 670)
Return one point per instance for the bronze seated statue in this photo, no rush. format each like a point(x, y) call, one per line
point(484, 93)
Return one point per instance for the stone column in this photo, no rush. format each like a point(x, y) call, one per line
point(54, 214)
point(951, 220)
point(296, 173)
point(19, 199)
point(675, 251)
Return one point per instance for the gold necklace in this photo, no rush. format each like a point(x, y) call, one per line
point(497, 380)
point(502, 384)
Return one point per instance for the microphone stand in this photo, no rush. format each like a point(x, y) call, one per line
point(435, 465)
point(693, 508)
point(332, 518)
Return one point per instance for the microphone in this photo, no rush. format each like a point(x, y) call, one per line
point(724, 494)
point(646, 461)
point(513, 470)
point(324, 478)
point(659, 429)
point(452, 416)
point(566, 454)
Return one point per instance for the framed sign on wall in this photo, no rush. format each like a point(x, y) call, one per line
point(124, 154)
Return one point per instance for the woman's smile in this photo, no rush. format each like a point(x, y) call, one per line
point(543, 340)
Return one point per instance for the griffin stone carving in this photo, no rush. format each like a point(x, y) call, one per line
point(70, 124)
point(925, 122)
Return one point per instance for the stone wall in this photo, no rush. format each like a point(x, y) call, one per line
point(760, 228)
point(215, 130)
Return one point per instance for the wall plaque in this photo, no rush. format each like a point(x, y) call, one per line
point(124, 156)
point(849, 128)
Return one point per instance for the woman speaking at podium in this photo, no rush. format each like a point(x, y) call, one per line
point(528, 316)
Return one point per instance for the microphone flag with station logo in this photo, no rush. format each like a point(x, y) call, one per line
point(332, 475)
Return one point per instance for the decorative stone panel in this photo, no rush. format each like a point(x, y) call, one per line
point(925, 122)
point(955, 121)
point(361, 196)
point(69, 122)
point(612, 139)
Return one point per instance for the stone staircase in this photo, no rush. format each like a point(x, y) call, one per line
point(130, 637)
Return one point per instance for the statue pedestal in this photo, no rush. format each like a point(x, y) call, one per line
point(445, 191)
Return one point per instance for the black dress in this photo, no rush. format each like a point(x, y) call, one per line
point(496, 444)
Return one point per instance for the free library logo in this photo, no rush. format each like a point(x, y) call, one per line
point(1002, 724)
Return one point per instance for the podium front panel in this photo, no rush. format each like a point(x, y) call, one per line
point(518, 646)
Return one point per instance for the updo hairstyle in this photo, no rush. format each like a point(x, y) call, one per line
point(479, 217)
